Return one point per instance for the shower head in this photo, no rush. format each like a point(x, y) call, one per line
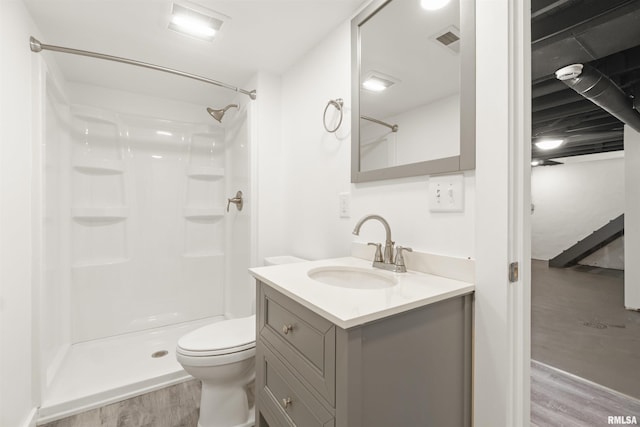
point(219, 114)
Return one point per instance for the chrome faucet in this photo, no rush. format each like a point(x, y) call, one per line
point(387, 259)
point(385, 262)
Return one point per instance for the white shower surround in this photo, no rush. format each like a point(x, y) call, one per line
point(136, 238)
point(147, 223)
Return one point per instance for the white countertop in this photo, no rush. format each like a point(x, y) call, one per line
point(348, 307)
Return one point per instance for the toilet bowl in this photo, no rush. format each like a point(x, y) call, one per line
point(222, 356)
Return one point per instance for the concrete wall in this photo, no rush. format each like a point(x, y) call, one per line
point(17, 400)
point(573, 200)
point(632, 219)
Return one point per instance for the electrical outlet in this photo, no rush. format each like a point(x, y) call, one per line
point(446, 193)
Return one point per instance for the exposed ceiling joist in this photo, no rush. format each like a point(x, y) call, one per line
point(602, 33)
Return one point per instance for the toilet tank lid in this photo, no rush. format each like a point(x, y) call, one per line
point(282, 259)
point(224, 335)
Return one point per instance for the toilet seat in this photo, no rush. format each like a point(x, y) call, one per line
point(221, 338)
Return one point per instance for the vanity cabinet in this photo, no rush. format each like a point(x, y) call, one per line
point(408, 369)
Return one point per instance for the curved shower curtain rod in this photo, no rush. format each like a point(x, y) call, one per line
point(36, 46)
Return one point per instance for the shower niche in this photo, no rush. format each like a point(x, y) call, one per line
point(204, 204)
point(98, 207)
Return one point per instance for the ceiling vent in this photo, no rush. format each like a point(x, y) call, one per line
point(448, 38)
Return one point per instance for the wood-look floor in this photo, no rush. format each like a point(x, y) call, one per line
point(579, 325)
point(559, 399)
point(175, 406)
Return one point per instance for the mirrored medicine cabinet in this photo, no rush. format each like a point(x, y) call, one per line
point(413, 89)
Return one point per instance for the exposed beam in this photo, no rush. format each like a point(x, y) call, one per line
point(574, 20)
point(540, 7)
point(546, 86)
point(587, 149)
point(572, 109)
point(555, 99)
point(592, 125)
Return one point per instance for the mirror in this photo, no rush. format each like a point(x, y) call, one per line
point(413, 89)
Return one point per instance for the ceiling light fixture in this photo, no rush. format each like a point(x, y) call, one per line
point(377, 82)
point(433, 4)
point(536, 162)
point(549, 144)
point(195, 23)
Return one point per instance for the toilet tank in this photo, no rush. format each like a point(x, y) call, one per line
point(282, 259)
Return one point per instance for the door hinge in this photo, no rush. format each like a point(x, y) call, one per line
point(513, 272)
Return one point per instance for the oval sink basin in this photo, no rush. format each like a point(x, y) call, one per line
point(352, 277)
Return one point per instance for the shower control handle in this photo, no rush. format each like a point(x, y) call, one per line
point(238, 201)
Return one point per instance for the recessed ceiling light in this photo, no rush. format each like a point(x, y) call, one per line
point(195, 23)
point(549, 144)
point(377, 82)
point(536, 162)
point(433, 4)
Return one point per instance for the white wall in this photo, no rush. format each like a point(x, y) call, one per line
point(632, 219)
point(427, 132)
point(17, 399)
point(267, 164)
point(573, 200)
point(317, 168)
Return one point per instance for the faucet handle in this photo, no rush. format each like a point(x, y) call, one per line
point(378, 256)
point(399, 257)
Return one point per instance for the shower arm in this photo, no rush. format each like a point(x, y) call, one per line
point(36, 46)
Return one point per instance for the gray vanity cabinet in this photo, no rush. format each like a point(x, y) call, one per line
point(410, 369)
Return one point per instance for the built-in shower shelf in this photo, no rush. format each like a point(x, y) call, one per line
point(92, 114)
point(203, 214)
point(99, 166)
point(99, 263)
point(217, 254)
point(100, 214)
point(205, 172)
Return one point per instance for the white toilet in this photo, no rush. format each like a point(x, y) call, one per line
point(222, 356)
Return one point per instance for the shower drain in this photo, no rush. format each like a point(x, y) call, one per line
point(160, 353)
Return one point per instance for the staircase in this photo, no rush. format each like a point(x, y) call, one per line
point(585, 247)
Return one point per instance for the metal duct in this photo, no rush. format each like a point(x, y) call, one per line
point(600, 90)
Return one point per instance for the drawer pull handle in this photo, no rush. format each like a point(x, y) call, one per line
point(286, 402)
point(286, 329)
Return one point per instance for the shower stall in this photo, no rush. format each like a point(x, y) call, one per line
point(138, 243)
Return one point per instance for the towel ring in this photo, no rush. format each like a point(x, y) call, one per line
point(338, 104)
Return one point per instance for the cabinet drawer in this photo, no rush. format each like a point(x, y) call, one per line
point(284, 401)
point(306, 340)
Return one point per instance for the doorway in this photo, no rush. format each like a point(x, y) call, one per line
point(585, 343)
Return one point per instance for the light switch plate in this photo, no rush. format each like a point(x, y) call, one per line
point(446, 193)
point(344, 205)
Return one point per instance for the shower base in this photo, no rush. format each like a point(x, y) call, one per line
point(100, 372)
